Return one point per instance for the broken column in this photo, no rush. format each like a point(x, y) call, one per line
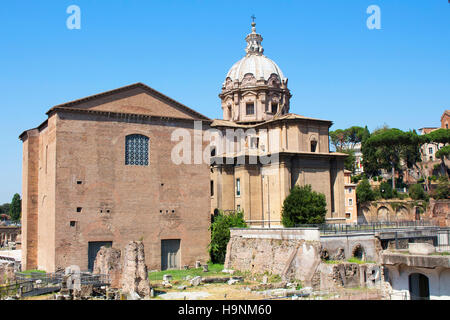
point(134, 271)
point(108, 263)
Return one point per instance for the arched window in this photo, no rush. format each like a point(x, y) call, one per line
point(136, 150)
point(313, 144)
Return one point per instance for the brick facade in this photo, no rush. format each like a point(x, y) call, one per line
point(77, 188)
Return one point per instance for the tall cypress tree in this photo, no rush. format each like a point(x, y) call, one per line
point(16, 208)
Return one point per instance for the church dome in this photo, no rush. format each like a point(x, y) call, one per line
point(259, 66)
point(255, 63)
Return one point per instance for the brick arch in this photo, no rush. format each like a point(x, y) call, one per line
point(383, 213)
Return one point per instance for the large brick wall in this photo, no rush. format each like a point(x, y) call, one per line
point(77, 160)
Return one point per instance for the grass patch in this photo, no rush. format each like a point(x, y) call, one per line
point(332, 261)
point(445, 253)
point(214, 269)
point(33, 271)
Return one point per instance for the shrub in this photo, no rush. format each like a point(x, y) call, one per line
point(220, 233)
point(442, 190)
point(385, 190)
point(364, 192)
point(416, 192)
point(303, 206)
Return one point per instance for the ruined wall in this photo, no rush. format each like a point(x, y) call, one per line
point(439, 211)
point(389, 211)
point(340, 247)
point(290, 253)
point(347, 275)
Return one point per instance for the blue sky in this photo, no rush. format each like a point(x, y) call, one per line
point(338, 69)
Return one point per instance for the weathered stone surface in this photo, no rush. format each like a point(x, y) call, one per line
point(134, 271)
point(421, 248)
point(7, 273)
point(108, 262)
point(196, 281)
point(291, 258)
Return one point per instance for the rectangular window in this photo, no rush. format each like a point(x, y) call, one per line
point(212, 188)
point(250, 108)
point(274, 108)
point(348, 215)
point(238, 207)
point(350, 202)
point(430, 150)
point(79, 209)
point(238, 187)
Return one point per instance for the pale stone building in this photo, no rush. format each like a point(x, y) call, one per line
point(351, 210)
point(98, 172)
point(262, 150)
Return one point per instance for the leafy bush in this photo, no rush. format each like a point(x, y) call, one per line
point(385, 191)
point(416, 192)
point(421, 180)
point(220, 233)
point(303, 206)
point(357, 178)
point(442, 190)
point(364, 192)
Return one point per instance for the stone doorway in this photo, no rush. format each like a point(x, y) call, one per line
point(419, 288)
point(170, 254)
point(93, 249)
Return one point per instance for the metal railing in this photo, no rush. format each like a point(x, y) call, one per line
point(35, 283)
point(369, 227)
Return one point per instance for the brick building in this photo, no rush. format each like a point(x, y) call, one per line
point(98, 172)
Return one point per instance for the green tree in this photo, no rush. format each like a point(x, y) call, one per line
point(385, 190)
point(220, 233)
point(303, 206)
point(15, 208)
point(416, 192)
point(390, 146)
point(4, 208)
point(364, 192)
point(349, 162)
point(442, 190)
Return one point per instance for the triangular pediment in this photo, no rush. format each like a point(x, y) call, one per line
point(138, 99)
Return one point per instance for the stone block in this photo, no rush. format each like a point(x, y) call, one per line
point(421, 248)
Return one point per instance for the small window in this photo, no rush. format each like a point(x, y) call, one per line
point(274, 108)
point(350, 202)
point(238, 187)
point(213, 151)
point(250, 108)
point(350, 190)
point(430, 150)
point(238, 207)
point(348, 215)
point(73, 223)
point(212, 188)
point(79, 209)
point(79, 182)
point(313, 145)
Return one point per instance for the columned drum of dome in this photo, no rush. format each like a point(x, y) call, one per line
point(254, 79)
